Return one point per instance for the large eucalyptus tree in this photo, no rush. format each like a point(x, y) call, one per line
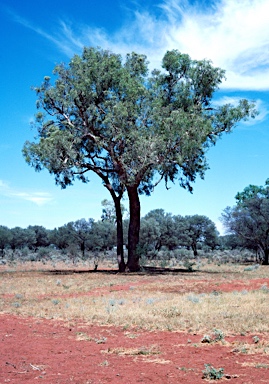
point(131, 128)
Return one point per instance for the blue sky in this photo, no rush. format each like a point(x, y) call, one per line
point(36, 35)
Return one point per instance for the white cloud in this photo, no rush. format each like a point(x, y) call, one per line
point(38, 198)
point(233, 34)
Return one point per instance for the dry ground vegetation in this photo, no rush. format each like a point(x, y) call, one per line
point(213, 301)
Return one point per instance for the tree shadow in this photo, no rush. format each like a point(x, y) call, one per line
point(144, 271)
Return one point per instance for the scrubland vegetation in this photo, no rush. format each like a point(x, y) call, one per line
point(167, 294)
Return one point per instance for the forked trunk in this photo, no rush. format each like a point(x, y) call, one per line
point(134, 228)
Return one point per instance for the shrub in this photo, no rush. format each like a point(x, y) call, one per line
point(212, 373)
point(252, 267)
point(42, 252)
point(219, 335)
point(189, 265)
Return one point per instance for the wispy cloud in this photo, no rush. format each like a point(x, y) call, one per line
point(38, 198)
point(233, 34)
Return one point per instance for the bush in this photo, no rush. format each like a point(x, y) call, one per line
point(212, 373)
point(42, 252)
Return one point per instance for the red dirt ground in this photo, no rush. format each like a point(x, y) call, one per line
point(48, 351)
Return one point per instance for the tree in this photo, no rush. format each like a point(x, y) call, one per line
point(199, 229)
point(113, 118)
point(22, 238)
point(230, 242)
point(249, 219)
point(103, 236)
point(149, 236)
point(79, 233)
point(60, 237)
point(166, 224)
point(5, 237)
point(41, 236)
point(109, 212)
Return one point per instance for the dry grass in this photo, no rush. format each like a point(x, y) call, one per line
point(190, 302)
point(144, 351)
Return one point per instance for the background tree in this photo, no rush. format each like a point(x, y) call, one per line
point(167, 231)
point(41, 236)
point(149, 237)
point(79, 233)
point(109, 212)
point(5, 238)
point(112, 118)
point(60, 237)
point(22, 237)
point(199, 229)
point(249, 219)
point(230, 242)
point(103, 236)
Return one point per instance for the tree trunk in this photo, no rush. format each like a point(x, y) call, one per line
point(194, 248)
point(120, 252)
point(266, 257)
point(134, 228)
point(82, 248)
point(117, 199)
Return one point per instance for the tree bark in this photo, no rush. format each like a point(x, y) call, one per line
point(134, 228)
point(117, 200)
point(194, 248)
point(120, 251)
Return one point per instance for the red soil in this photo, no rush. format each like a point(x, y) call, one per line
point(48, 351)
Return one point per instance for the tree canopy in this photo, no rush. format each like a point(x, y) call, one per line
point(160, 229)
point(130, 127)
point(249, 219)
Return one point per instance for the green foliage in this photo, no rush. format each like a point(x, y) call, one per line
point(43, 252)
point(200, 229)
point(249, 219)
point(103, 236)
point(189, 265)
point(109, 211)
point(22, 237)
point(5, 237)
point(112, 117)
point(252, 267)
point(41, 236)
point(212, 373)
point(219, 335)
point(161, 230)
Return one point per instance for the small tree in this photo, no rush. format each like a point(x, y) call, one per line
point(79, 233)
point(249, 219)
point(41, 236)
point(198, 229)
point(113, 118)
